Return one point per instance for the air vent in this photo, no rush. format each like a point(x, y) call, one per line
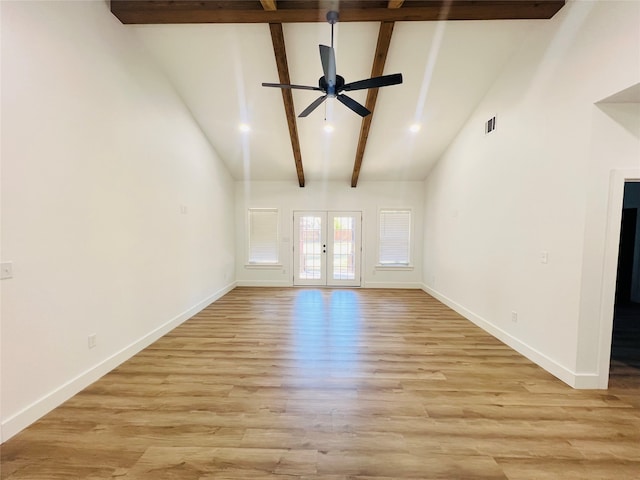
point(490, 125)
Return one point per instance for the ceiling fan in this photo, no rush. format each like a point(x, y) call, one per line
point(332, 85)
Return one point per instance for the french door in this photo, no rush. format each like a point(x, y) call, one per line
point(326, 248)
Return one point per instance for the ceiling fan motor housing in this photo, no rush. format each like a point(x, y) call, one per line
point(331, 91)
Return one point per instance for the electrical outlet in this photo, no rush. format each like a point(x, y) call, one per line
point(514, 317)
point(92, 340)
point(6, 270)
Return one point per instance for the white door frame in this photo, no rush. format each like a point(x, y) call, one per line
point(327, 249)
point(610, 268)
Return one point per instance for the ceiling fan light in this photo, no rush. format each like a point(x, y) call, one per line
point(415, 127)
point(328, 128)
point(244, 127)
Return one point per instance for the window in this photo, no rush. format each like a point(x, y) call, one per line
point(395, 237)
point(263, 236)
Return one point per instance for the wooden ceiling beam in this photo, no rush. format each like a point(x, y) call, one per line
point(382, 48)
point(214, 11)
point(277, 38)
point(269, 5)
point(379, 59)
point(280, 51)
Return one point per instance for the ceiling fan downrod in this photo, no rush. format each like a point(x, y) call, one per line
point(332, 18)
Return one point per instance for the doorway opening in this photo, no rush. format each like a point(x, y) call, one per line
point(625, 345)
point(327, 248)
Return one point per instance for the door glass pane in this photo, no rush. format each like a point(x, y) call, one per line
point(343, 248)
point(310, 248)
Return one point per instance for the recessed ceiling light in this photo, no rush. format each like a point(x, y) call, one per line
point(328, 128)
point(244, 127)
point(415, 127)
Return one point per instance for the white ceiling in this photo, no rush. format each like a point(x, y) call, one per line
point(447, 67)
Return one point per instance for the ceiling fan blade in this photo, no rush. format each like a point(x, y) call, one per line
point(353, 105)
point(313, 106)
point(286, 85)
point(375, 82)
point(328, 58)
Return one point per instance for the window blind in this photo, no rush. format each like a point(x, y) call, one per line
point(395, 237)
point(263, 235)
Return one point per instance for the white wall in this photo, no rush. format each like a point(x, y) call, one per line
point(539, 183)
point(367, 197)
point(98, 157)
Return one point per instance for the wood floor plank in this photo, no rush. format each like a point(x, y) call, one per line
point(344, 384)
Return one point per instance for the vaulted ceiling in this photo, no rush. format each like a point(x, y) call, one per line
point(217, 54)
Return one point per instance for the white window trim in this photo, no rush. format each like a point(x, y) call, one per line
point(262, 265)
point(398, 266)
point(395, 266)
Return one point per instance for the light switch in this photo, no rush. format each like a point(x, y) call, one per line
point(544, 256)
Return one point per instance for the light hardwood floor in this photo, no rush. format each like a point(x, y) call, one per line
point(333, 384)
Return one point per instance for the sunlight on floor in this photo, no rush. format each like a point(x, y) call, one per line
point(326, 333)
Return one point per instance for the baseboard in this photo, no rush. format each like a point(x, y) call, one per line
point(404, 285)
point(271, 283)
point(264, 283)
point(588, 381)
point(21, 420)
point(573, 379)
